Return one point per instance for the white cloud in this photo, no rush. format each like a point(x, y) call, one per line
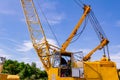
point(53, 42)
point(56, 18)
point(115, 49)
point(85, 50)
point(28, 46)
point(115, 54)
point(25, 46)
point(116, 59)
point(50, 41)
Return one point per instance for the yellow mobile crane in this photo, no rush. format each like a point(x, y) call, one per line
point(61, 64)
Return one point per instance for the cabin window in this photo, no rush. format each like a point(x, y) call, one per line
point(56, 59)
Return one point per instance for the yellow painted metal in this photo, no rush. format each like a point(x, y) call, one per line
point(67, 42)
point(13, 77)
point(100, 70)
point(9, 77)
point(54, 75)
point(3, 76)
point(1, 67)
point(101, 45)
point(37, 34)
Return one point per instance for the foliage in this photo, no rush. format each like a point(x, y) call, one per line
point(25, 71)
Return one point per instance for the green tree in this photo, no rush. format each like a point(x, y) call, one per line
point(25, 71)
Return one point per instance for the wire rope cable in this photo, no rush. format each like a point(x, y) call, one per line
point(98, 24)
point(108, 52)
point(48, 23)
point(80, 3)
point(94, 26)
point(80, 33)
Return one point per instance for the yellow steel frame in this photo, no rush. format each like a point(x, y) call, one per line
point(67, 42)
point(37, 34)
point(44, 49)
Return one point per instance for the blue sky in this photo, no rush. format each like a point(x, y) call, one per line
point(62, 15)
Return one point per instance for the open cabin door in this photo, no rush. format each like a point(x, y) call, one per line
point(69, 64)
point(65, 65)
